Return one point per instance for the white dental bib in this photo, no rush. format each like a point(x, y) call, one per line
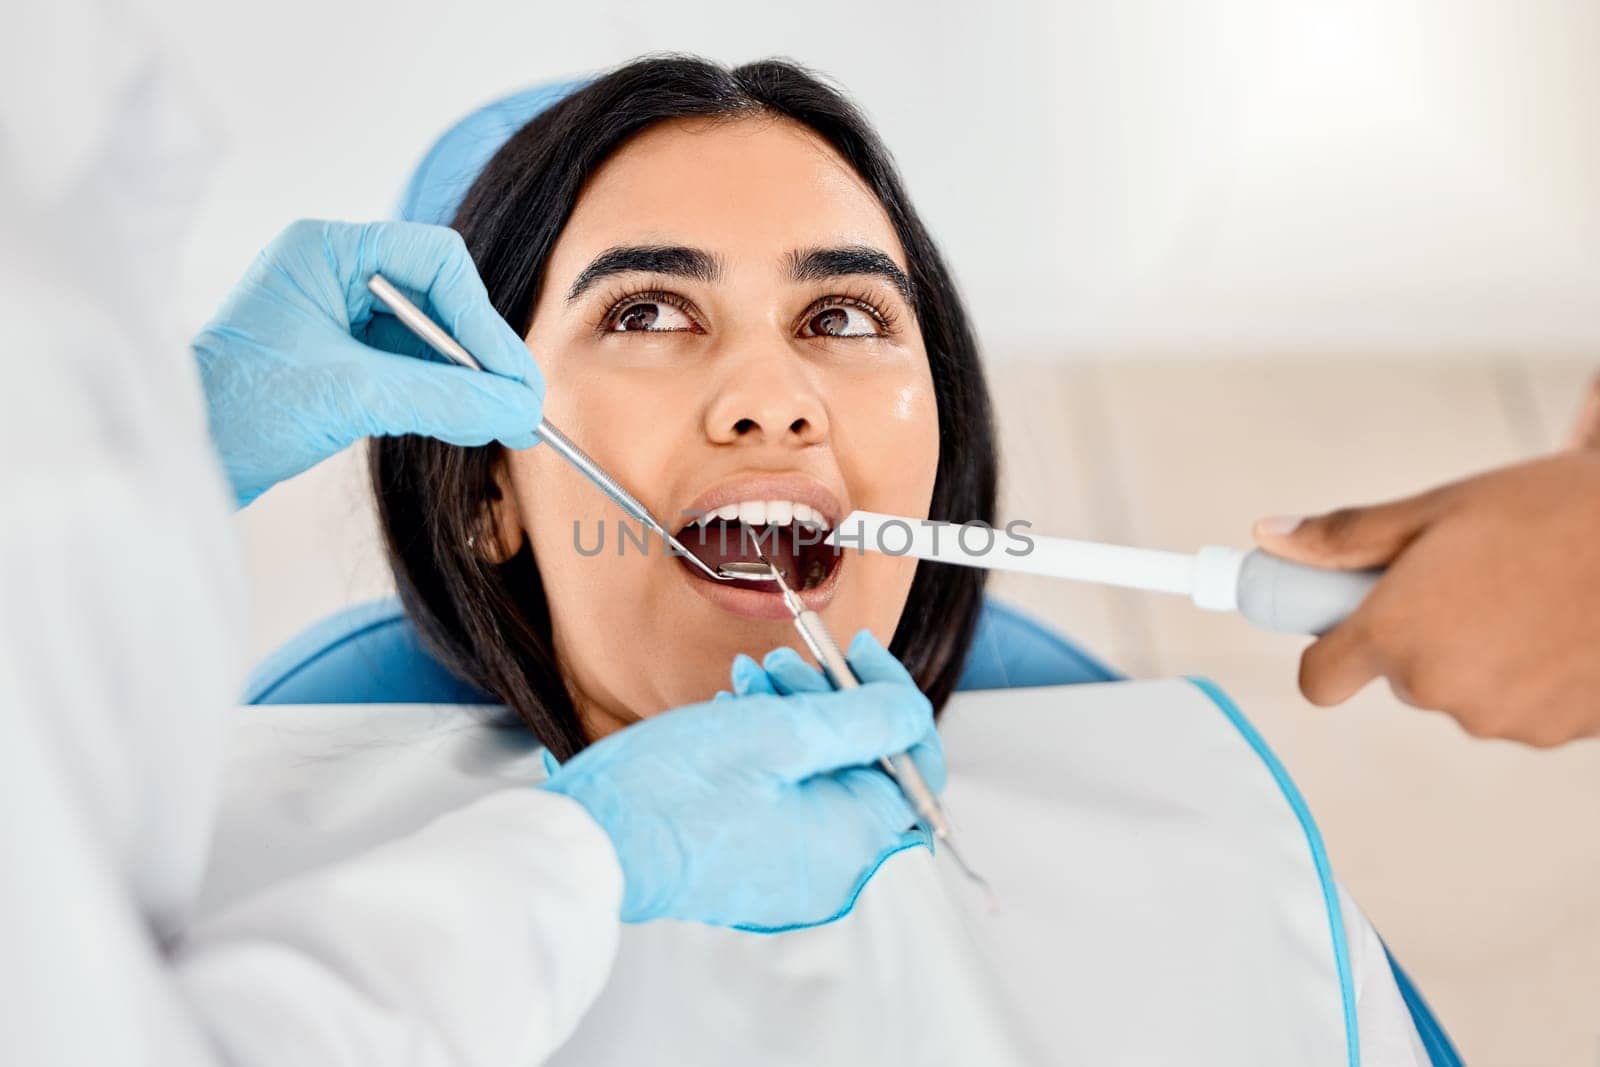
point(1164, 897)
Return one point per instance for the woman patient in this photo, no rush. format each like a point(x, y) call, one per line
point(740, 316)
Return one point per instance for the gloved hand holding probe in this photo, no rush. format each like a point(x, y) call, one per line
point(762, 809)
point(299, 363)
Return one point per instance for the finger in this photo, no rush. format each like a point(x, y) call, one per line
point(384, 331)
point(791, 674)
point(874, 663)
point(881, 801)
point(749, 679)
point(928, 755)
point(1338, 664)
point(1351, 538)
point(433, 261)
point(399, 395)
point(853, 727)
point(1586, 428)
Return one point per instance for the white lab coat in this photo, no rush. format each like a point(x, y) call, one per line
point(480, 939)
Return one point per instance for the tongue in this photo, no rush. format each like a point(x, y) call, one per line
point(794, 549)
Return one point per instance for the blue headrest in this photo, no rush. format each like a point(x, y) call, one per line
point(370, 654)
point(456, 159)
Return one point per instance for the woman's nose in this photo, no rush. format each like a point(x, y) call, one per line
point(768, 400)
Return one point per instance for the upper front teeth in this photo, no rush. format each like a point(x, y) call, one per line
point(811, 517)
point(767, 512)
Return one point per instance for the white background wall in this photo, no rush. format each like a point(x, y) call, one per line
point(1137, 176)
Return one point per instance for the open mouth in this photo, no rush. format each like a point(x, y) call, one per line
point(790, 535)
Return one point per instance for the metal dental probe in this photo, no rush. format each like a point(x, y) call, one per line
point(814, 632)
point(415, 320)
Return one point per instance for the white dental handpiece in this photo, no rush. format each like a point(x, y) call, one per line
point(1269, 591)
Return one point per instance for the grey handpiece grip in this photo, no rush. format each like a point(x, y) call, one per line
point(1293, 598)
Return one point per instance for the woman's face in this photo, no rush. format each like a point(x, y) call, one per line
point(723, 323)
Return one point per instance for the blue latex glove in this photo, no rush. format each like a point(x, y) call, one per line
point(785, 673)
point(301, 361)
point(761, 810)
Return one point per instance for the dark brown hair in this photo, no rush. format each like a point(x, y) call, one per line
point(490, 623)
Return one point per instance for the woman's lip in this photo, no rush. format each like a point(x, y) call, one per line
point(800, 488)
point(761, 604)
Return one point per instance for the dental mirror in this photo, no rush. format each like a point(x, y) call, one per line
point(747, 572)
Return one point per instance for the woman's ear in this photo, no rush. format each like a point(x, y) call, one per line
point(500, 533)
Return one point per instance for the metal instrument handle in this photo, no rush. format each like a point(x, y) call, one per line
point(814, 632)
point(417, 321)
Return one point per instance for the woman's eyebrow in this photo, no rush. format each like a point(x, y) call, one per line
point(815, 264)
point(652, 259)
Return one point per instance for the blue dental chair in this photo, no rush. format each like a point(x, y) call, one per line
point(371, 654)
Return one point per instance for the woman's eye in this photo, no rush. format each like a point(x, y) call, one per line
point(651, 316)
point(841, 321)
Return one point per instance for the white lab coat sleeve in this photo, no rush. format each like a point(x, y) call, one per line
point(479, 940)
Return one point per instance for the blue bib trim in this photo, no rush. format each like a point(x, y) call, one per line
point(1441, 1053)
point(1319, 857)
